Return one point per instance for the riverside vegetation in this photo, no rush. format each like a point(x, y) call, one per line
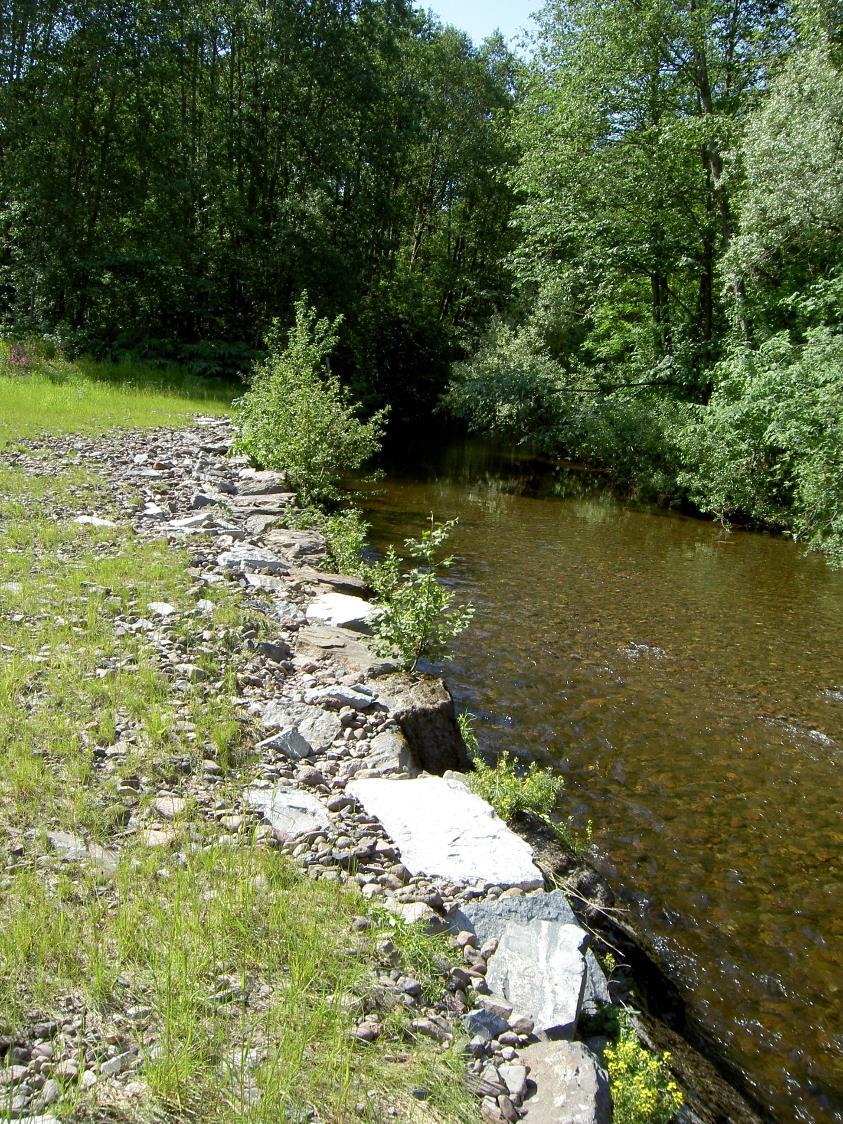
point(622, 247)
point(166, 971)
point(416, 612)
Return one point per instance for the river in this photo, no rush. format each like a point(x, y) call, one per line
point(688, 684)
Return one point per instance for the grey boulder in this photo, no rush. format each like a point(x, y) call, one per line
point(539, 968)
point(569, 1084)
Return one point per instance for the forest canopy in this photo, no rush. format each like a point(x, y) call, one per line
point(624, 245)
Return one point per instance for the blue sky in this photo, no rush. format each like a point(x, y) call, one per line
point(481, 17)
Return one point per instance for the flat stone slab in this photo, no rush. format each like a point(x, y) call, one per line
point(569, 1084)
point(73, 849)
point(539, 968)
point(487, 920)
point(340, 610)
point(290, 811)
point(245, 558)
point(442, 829)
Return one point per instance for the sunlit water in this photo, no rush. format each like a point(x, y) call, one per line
point(688, 683)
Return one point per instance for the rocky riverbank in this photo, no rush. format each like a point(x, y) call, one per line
point(351, 773)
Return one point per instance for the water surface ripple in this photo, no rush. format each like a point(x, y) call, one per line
point(688, 683)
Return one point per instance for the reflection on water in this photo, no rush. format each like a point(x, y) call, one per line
point(689, 685)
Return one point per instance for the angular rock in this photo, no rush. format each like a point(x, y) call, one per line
point(423, 708)
point(515, 1079)
point(539, 968)
point(390, 755)
point(161, 609)
point(244, 558)
point(169, 807)
point(571, 1085)
point(94, 521)
point(299, 546)
point(339, 583)
point(484, 1024)
point(319, 727)
point(444, 830)
point(289, 742)
point(289, 811)
point(257, 524)
point(287, 614)
point(358, 698)
point(265, 581)
point(74, 849)
point(339, 610)
point(274, 504)
point(276, 650)
point(487, 920)
point(260, 482)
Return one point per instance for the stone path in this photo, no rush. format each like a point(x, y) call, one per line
point(342, 744)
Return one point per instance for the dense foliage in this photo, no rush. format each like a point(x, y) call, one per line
point(626, 247)
point(679, 263)
point(173, 175)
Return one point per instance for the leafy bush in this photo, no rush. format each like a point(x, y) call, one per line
point(511, 789)
point(643, 1092)
point(346, 533)
point(419, 616)
point(770, 442)
point(298, 418)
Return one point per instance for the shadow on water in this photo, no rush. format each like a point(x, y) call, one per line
point(689, 685)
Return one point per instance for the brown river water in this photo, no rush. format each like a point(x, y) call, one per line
point(688, 684)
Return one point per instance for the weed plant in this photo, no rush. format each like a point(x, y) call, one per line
point(513, 790)
point(643, 1091)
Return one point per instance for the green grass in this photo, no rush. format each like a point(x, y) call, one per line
point(228, 947)
point(57, 395)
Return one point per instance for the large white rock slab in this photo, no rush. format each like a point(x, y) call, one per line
point(539, 968)
point(290, 811)
point(443, 829)
point(340, 610)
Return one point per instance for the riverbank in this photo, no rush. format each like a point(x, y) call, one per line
point(182, 706)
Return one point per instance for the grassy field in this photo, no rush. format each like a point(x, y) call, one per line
point(223, 965)
point(56, 395)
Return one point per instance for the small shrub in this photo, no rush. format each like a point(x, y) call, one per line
point(346, 533)
point(299, 419)
point(419, 616)
point(511, 790)
point(643, 1090)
